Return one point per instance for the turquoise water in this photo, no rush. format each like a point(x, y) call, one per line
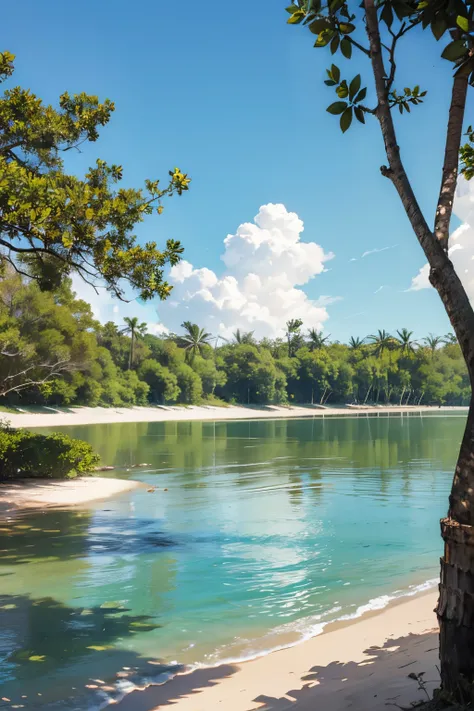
point(256, 535)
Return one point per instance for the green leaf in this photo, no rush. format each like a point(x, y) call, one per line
point(334, 44)
point(463, 23)
point(354, 86)
point(360, 115)
point(346, 48)
point(89, 213)
point(292, 9)
point(439, 27)
point(324, 38)
point(387, 14)
point(346, 28)
point(361, 95)
point(342, 90)
point(337, 108)
point(402, 9)
point(330, 82)
point(346, 119)
point(454, 50)
point(335, 73)
point(296, 18)
point(318, 26)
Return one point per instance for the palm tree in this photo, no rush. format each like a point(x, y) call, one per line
point(293, 335)
point(135, 330)
point(450, 339)
point(316, 339)
point(404, 341)
point(356, 343)
point(194, 339)
point(244, 337)
point(381, 342)
point(432, 342)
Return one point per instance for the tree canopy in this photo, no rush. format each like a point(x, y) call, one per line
point(53, 352)
point(53, 223)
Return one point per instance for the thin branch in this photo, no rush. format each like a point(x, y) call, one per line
point(449, 179)
point(359, 46)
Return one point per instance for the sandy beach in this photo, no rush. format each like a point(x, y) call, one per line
point(362, 665)
point(65, 492)
point(62, 417)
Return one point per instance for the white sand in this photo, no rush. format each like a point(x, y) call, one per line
point(67, 492)
point(362, 666)
point(98, 415)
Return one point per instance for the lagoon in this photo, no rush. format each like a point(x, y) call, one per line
point(255, 535)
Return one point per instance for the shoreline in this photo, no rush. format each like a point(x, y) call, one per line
point(76, 416)
point(49, 493)
point(362, 663)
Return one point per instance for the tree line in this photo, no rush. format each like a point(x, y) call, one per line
point(53, 352)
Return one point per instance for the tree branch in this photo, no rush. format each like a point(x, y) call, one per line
point(444, 208)
point(53, 370)
point(359, 46)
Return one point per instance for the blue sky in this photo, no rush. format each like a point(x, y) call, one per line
point(235, 97)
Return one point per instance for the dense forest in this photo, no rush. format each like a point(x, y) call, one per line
point(53, 352)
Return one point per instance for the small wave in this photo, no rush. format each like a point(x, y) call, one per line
point(306, 628)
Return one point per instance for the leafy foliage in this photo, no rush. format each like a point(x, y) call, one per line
point(38, 327)
point(27, 454)
point(53, 223)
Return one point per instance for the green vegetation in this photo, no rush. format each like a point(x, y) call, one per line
point(26, 454)
point(53, 223)
point(108, 365)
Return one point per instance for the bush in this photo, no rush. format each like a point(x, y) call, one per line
point(26, 454)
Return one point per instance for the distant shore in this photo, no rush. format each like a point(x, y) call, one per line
point(61, 417)
point(45, 493)
point(363, 665)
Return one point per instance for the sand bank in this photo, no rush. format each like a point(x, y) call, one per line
point(101, 415)
point(67, 492)
point(362, 666)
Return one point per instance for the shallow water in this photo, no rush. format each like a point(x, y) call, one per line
point(257, 534)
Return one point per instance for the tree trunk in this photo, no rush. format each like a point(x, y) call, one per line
point(401, 396)
point(456, 602)
point(456, 591)
point(368, 393)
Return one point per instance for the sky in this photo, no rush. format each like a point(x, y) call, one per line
point(286, 217)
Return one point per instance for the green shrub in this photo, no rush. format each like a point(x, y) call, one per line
point(26, 454)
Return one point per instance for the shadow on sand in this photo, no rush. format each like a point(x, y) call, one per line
point(381, 680)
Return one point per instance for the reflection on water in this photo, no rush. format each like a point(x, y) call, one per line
point(256, 534)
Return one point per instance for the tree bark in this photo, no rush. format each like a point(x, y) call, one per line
point(456, 591)
point(451, 159)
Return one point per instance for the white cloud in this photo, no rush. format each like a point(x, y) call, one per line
point(376, 251)
point(368, 252)
point(266, 263)
point(105, 307)
point(461, 242)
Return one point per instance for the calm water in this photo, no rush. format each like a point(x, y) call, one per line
point(256, 535)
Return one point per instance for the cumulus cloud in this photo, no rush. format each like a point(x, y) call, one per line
point(266, 263)
point(265, 266)
point(461, 242)
point(106, 307)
